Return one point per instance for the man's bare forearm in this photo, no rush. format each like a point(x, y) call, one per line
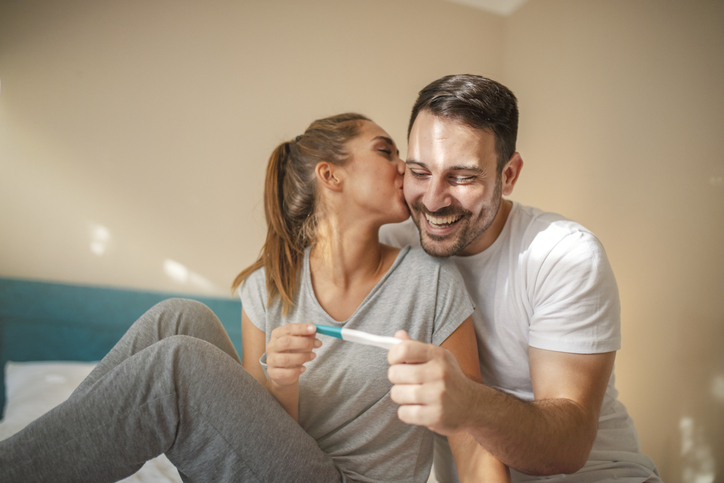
point(544, 437)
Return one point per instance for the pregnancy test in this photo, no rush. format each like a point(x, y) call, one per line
point(358, 336)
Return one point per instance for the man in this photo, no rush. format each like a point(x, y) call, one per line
point(547, 309)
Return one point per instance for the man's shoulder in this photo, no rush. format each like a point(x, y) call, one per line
point(400, 234)
point(551, 243)
point(544, 228)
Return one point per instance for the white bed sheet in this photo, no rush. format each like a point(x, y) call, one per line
point(34, 388)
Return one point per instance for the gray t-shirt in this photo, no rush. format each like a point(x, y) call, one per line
point(344, 395)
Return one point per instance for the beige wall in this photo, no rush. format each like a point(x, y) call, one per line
point(154, 120)
point(622, 119)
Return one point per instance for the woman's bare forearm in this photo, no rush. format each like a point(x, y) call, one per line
point(474, 463)
point(287, 396)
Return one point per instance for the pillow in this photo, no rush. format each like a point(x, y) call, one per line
point(34, 388)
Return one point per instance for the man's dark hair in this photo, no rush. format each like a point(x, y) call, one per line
point(476, 101)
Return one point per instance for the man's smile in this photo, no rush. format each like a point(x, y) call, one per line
point(442, 221)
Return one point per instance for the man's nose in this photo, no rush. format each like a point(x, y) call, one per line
point(437, 195)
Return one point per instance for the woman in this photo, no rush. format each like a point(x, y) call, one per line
point(174, 385)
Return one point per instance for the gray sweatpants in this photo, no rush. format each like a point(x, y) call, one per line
point(173, 384)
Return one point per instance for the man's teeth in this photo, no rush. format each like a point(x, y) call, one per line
point(442, 220)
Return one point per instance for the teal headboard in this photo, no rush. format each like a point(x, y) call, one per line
point(53, 321)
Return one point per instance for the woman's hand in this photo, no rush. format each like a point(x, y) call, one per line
point(289, 348)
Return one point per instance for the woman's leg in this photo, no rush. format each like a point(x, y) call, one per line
point(167, 318)
point(180, 395)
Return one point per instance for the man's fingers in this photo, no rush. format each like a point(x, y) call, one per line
point(414, 373)
point(401, 334)
point(415, 394)
point(419, 415)
point(411, 352)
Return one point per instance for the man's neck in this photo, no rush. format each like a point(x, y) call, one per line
point(488, 237)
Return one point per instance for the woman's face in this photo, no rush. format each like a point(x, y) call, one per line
point(374, 176)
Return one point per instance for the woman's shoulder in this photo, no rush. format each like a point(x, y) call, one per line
point(418, 261)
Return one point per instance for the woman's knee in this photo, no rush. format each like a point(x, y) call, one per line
point(182, 306)
point(190, 358)
point(185, 316)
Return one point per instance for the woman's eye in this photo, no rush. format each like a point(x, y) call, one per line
point(386, 151)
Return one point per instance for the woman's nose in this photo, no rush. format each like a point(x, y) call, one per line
point(400, 166)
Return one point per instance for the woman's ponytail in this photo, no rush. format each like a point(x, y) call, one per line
point(289, 201)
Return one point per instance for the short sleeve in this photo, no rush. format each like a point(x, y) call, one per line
point(253, 296)
point(576, 305)
point(400, 234)
point(453, 303)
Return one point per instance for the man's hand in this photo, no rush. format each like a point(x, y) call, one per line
point(429, 386)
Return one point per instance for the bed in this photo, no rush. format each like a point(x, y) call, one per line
point(52, 334)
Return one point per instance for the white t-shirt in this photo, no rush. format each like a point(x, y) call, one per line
point(546, 283)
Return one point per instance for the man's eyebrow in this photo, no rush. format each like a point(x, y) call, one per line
point(471, 167)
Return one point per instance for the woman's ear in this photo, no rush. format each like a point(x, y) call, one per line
point(329, 175)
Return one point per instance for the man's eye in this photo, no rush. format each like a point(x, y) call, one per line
point(418, 174)
point(388, 152)
point(463, 179)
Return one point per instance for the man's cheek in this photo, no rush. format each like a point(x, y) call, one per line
point(409, 190)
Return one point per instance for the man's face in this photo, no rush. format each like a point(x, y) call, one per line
point(451, 185)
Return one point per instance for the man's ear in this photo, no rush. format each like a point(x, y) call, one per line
point(329, 175)
point(510, 174)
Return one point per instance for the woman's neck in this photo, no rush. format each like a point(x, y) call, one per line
point(345, 264)
point(345, 255)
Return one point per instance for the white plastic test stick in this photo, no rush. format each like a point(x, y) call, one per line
point(358, 336)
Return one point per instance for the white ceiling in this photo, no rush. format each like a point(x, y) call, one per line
point(501, 7)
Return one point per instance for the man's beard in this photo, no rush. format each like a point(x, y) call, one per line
point(466, 234)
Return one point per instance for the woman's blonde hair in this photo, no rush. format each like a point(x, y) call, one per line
point(290, 197)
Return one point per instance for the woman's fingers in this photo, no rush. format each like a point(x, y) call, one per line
point(283, 377)
point(288, 359)
point(289, 348)
point(294, 337)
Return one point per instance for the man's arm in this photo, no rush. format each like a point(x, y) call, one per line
point(550, 435)
point(555, 432)
point(473, 462)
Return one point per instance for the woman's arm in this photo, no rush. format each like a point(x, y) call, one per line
point(290, 346)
